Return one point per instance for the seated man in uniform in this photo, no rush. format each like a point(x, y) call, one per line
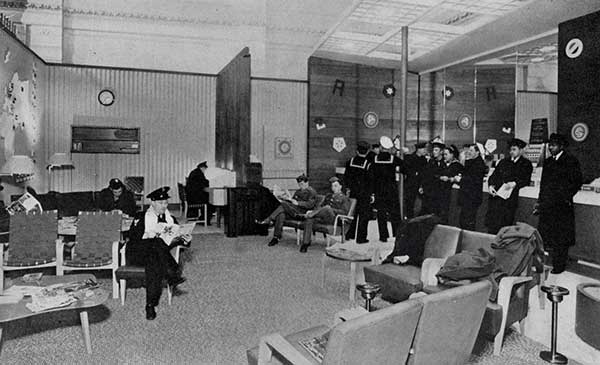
point(116, 196)
point(304, 199)
point(335, 203)
point(147, 247)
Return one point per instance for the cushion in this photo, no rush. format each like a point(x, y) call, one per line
point(130, 272)
point(472, 241)
point(397, 282)
point(97, 262)
point(442, 242)
point(22, 261)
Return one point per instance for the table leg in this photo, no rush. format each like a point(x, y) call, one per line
point(0, 339)
point(85, 326)
point(352, 281)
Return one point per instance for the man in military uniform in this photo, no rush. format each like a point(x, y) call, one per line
point(303, 200)
point(431, 185)
point(385, 188)
point(414, 164)
point(117, 197)
point(375, 150)
point(146, 248)
point(515, 171)
point(561, 180)
point(335, 203)
point(470, 194)
point(358, 183)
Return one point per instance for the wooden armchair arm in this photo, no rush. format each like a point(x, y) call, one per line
point(60, 251)
point(115, 251)
point(505, 288)
point(430, 267)
point(278, 343)
point(122, 252)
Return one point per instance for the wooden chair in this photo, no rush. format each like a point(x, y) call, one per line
point(184, 206)
point(32, 242)
point(135, 184)
point(339, 222)
point(512, 304)
point(96, 245)
point(131, 272)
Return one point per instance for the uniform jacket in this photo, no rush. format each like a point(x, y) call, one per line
point(431, 182)
point(471, 184)
point(507, 171)
point(145, 224)
point(383, 175)
point(195, 188)
point(125, 203)
point(339, 203)
point(413, 170)
point(561, 180)
point(307, 198)
point(452, 169)
point(357, 177)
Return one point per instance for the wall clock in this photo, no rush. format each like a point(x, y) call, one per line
point(465, 121)
point(106, 97)
point(370, 119)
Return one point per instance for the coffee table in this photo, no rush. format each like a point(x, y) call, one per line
point(14, 311)
point(350, 256)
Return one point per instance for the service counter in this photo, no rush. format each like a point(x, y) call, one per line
point(587, 219)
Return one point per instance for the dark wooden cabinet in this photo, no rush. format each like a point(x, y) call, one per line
point(245, 206)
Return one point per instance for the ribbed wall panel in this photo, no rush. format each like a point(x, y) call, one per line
point(279, 109)
point(175, 114)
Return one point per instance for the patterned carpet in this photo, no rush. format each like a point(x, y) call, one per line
point(237, 290)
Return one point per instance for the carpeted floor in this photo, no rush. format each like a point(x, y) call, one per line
point(237, 290)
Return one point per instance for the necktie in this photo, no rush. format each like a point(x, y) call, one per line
point(162, 218)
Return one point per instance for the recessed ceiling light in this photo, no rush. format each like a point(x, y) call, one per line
point(548, 48)
point(537, 59)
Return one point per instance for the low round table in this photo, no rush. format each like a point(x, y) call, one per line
point(587, 313)
point(349, 256)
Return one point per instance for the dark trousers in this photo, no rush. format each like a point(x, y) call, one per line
point(156, 258)
point(283, 211)
point(362, 215)
point(468, 216)
point(559, 255)
point(389, 210)
point(410, 197)
point(324, 215)
point(431, 205)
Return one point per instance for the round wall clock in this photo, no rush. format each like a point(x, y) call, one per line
point(465, 122)
point(370, 119)
point(579, 132)
point(106, 97)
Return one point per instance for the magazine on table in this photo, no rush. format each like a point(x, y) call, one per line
point(316, 346)
point(60, 295)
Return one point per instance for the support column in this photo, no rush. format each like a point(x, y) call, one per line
point(403, 105)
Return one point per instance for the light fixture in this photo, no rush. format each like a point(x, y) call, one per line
point(18, 165)
point(59, 159)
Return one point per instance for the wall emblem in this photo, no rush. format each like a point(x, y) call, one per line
point(579, 132)
point(284, 147)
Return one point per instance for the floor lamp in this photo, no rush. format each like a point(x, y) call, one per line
point(58, 160)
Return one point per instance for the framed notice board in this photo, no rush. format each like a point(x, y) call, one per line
point(86, 139)
point(539, 131)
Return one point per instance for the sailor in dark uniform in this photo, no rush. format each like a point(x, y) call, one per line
point(431, 185)
point(196, 190)
point(471, 187)
point(375, 150)
point(146, 248)
point(117, 197)
point(514, 171)
point(385, 188)
point(414, 164)
point(561, 180)
point(335, 203)
point(450, 174)
point(358, 183)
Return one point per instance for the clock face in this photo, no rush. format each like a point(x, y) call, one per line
point(106, 97)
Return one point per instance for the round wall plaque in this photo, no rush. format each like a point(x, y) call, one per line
point(579, 132)
point(465, 122)
point(370, 119)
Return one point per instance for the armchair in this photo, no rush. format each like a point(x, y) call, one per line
point(184, 205)
point(96, 245)
point(510, 307)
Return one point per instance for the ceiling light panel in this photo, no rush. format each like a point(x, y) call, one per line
point(390, 12)
point(492, 7)
point(342, 45)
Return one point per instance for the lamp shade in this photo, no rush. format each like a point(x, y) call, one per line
point(60, 159)
point(18, 165)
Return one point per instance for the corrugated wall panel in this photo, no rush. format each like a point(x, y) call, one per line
point(532, 105)
point(175, 114)
point(279, 109)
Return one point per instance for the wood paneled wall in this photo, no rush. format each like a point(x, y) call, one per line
point(279, 109)
point(428, 115)
point(175, 114)
point(233, 116)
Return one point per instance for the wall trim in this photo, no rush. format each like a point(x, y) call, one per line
point(274, 79)
point(55, 64)
point(537, 92)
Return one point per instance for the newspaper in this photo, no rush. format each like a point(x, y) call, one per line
point(281, 194)
point(26, 203)
point(316, 346)
point(171, 232)
point(60, 295)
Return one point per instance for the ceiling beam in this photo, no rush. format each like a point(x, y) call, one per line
point(343, 16)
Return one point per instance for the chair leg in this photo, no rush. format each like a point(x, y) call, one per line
point(498, 342)
point(169, 294)
point(205, 215)
point(352, 281)
point(297, 237)
point(1, 281)
point(115, 284)
point(123, 288)
point(522, 326)
point(85, 326)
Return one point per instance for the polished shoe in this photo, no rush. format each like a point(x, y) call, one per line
point(557, 270)
point(264, 222)
point(150, 312)
point(383, 240)
point(273, 242)
point(362, 242)
point(303, 248)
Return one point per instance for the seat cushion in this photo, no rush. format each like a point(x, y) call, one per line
point(442, 242)
point(22, 261)
point(397, 282)
point(88, 263)
point(130, 272)
point(293, 339)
